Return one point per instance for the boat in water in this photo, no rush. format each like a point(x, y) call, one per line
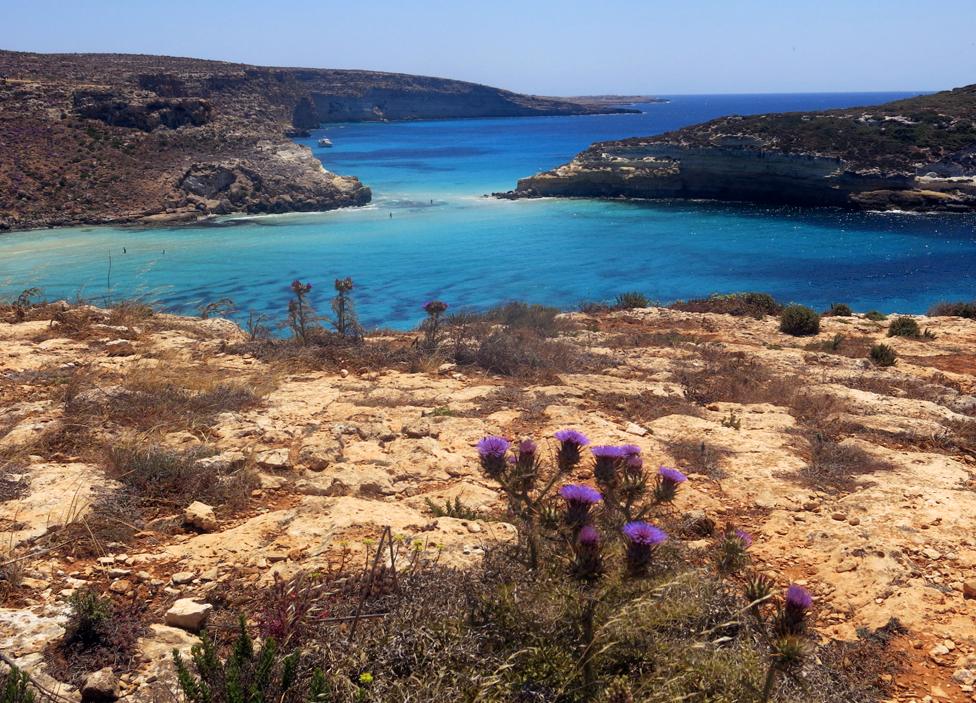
point(325, 141)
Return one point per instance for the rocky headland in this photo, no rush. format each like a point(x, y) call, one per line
point(111, 138)
point(916, 154)
point(856, 480)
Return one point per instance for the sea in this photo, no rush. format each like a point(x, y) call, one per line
point(431, 232)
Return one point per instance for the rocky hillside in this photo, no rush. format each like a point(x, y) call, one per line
point(93, 138)
point(856, 480)
point(914, 154)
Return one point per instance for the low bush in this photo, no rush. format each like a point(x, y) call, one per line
point(875, 316)
point(631, 300)
point(517, 315)
point(883, 355)
point(15, 687)
point(839, 310)
point(756, 305)
point(956, 309)
point(904, 327)
point(799, 321)
point(158, 476)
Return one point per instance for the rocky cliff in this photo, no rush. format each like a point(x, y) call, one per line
point(97, 138)
point(914, 154)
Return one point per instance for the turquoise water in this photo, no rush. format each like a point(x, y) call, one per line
point(445, 240)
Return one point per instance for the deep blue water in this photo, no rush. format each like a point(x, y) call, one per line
point(445, 240)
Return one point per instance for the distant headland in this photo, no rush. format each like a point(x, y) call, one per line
point(916, 154)
point(115, 138)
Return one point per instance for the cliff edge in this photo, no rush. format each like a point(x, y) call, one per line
point(111, 138)
point(914, 154)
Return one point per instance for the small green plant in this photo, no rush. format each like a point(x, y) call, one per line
point(631, 300)
point(15, 687)
point(455, 509)
point(246, 676)
point(442, 411)
point(883, 355)
point(88, 617)
point(799, 320)
point(732, 421)
point(904, 327)
point(839, 310)
point(748, 304)
point(875, 316)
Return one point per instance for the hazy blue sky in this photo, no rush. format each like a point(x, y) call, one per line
point(555, 47)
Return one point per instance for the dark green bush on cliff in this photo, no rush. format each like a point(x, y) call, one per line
point(883, 355)
point(748, 304)
point(839, 310)
point(904, 327)
point(957, 309)
point(799, 320)
point(875, 316)
point(631, 300)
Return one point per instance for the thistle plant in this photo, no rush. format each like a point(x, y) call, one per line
point(788, 644)
point(346, 323)
point(580, 499)
point(431, 327)
point(518, 471)
point(667, 484)
point(643, 539)
point(300, 314)
point(733, 550)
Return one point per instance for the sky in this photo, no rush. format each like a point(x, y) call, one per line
point(545, 47)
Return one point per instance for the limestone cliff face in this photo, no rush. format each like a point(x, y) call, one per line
point(916, 154)
point(99, 138)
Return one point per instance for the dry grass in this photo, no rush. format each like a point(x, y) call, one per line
point(837, 466)
point(697, 456)
point(645, 407)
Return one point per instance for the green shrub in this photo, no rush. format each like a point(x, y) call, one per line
point(875, 316)
point(799, 320)
point(631, 300)
point(883, 355)
point(839, 310)
point(957, 309)
point(15, 687)
point(88, 616)
point(515, 314)
point(750, 304)
point(245, 676)
point(904, 327)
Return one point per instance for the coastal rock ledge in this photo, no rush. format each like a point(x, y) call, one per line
point(916, 154)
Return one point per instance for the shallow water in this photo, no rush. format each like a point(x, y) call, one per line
point(445, 240)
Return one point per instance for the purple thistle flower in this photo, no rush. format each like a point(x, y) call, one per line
point(572, 436)
point(527, 446)
point(798, 597)
point(580, 493)
point(792, 618)
point(642, 540)
point(571, 441)
point(579, 500)
point(672, 475)
point(588, 564)
point(644, 533)
point(588, 536)
point(668, 481)
point(527, 470)
point(744, 537)
point(631, 450)
point(434, 307)
point(608, 459)
point(492, 451)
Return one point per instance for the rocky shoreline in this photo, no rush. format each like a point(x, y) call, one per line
point(110, 139)
point(912, 155)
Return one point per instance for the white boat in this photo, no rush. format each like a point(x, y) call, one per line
point(325, 141)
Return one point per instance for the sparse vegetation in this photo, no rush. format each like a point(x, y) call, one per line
point(839, 310)
point(957, 309)
point(756, 305)
point(883, 355)
point(875, 316)
point(799, 321)
point(631, 300)
point(904, 327)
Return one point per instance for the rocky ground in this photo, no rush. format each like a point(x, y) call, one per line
point(913, 154)
point(858, 481)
